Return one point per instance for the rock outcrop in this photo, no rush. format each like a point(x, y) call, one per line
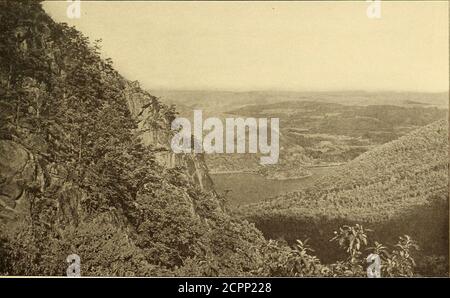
point(154, 129)
point(19, 173)
point(23, 179)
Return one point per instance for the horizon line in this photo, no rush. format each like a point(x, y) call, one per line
point(238, 90)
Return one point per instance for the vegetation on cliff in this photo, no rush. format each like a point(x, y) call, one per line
point(100, 191)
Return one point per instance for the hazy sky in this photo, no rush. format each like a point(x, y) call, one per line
point(269, 45)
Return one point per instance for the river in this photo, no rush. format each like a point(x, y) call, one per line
point(244, 188)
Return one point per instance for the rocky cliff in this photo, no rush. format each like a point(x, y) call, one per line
point(153, 129)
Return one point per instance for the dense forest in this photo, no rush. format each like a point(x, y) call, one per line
point(399, 187)
point(81, 174)
point(85, 169)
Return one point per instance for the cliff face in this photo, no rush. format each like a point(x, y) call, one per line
point(153, 128)
point(20, 167)
point(85, 162)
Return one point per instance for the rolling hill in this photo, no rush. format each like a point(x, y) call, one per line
point(400, 187)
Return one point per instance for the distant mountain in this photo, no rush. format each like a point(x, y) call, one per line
point(222, 101)
point(400, 187)
point(412, 102)
point(316, 129)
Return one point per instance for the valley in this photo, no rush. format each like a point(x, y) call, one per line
point(345, 159)
point(317, 128)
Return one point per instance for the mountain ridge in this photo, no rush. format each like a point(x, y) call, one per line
point(87, 169)
point(394, 183)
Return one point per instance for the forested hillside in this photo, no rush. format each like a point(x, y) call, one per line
point(400, 187)
point(85, 167)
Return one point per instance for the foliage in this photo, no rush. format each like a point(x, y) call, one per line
point(352, 239)
point(299, 260)
point(398, 188)
point(112, 202)
point(400, 262)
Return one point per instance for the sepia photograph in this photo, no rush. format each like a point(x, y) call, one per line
point(224, 139)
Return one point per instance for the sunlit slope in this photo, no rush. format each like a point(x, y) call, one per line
point(378, 185)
